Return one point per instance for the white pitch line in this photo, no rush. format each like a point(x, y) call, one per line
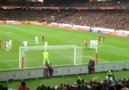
point(16, 60)
point(9, 69)
point(9, 60)
point(42, 66)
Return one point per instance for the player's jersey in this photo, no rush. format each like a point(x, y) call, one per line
point(25, 43)
point(6, 44)
point(86, 42)
point(36, 38)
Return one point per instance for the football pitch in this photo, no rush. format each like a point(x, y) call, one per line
point(115, 49)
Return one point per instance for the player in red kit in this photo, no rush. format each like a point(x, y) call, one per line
point(43, 38)
point(99, 39)
point(86, 42)
point(103, 39)
point(0, 45)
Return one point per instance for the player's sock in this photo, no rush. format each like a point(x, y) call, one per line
point(48, 62)
point(43, 62)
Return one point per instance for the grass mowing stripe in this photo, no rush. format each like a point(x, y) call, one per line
point(116, 47)
point(101, 60)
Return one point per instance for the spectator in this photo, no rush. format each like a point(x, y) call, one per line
point(92, 67)
point(46, 70)
point(125, 88)
point(80, 80)
point(51, 70)
point(89, 66)
point(23, 86)
point(110, 75)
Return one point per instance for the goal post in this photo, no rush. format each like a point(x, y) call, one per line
point(21, 58)
point(61, 55)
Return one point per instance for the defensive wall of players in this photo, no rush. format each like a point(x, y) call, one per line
point(123, 33)
point(61, 71)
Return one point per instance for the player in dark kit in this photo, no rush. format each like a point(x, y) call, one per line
point(103, 39)
point(99, 39)
point(42, 38)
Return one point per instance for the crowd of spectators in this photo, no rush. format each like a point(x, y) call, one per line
point(80, 84)
point(48, 70)
point(86, 3)
point(97, 18)
point(115, 19)
point(108, 19)
point(66, 3)
point(34, 15)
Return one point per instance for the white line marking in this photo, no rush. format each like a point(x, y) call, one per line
point(42, 66)
point(9, 69)
point(16, 60)
point(9, 60)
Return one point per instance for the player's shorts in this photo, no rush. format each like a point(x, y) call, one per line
point(45, 58)
point(25, 45)
point(86, 44)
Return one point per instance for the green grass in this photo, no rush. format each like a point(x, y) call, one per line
point(115, 49)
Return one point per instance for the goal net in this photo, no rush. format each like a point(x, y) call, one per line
point(91, 52)
point(62, 55)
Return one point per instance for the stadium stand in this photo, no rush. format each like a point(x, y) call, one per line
point(108, 19)
point(93, 85)
point(116, 19)
point(81, 84)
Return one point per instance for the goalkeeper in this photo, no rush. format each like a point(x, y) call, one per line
point(45, 57)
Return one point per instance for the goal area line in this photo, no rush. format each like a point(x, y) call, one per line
point(16, 60)
point(9, 69)
point(40, 67)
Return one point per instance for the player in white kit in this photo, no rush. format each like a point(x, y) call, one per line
point(36, 40)
point(7, 46)
point(25, 44)
point(10, 44)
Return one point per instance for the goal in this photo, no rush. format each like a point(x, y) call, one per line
point(62, 55)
